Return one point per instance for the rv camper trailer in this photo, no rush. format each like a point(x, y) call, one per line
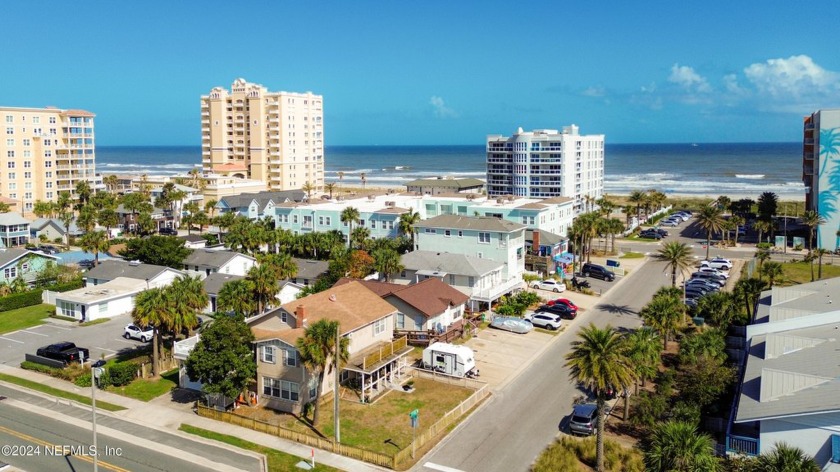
point(450, 359)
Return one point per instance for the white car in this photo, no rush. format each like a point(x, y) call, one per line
point(671, 223)
point(551, 285)
point(136, 332)
point(712, 270)
point(717, 263)
point(545, 320)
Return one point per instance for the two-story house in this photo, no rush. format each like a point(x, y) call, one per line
point(24, 263)
point(479, 279)
point(14, 229)
point(204, 262)
point(284, 383)
point(255, 206)
point(483, 237)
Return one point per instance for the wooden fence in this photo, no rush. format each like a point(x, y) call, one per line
point(384, 352)
point(350, 451)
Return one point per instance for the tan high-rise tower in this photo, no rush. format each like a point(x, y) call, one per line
point(45, 151)
point(251, 133)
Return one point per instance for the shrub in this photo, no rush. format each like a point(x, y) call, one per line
point(67, 286)
point(83, 380)
point(568, 454)
point(122, 373)
point(45, 369)
point(20, 300)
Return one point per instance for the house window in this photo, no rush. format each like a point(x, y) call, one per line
point(379, 327)
point(271, 387)
point(451, 279)
point(460, 234)
point(291, 358)
point(289, 391)
point(362, 223)
point(372, 224)
point(400, 321)
point(10, 272)
point(447, 233)
point(471, 282)
point(484, 238)
point(430, 231)
point(283, 316)
point(294, 219)
point(320, 220)
point(328, 221)
point(268, 354)
point(313, 387)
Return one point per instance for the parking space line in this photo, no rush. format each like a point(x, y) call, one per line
point(433, 466)
point(12, 340)
point(104, 349)
point(36, 334)
point(59, 327)
point(125, 341)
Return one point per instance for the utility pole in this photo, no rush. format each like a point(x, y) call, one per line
point(785, 250)
point(93, 405)
point(336, 389)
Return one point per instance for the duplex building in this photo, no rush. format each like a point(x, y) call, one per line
point(45, 151)
point(258, 205)
point(482, 237)
point(821, 172)
point(790, 391)
point(274, 137)
point(547, 163)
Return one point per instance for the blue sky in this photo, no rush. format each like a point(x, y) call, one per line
point(434, 72)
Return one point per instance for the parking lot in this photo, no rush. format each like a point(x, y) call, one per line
point(103, 339)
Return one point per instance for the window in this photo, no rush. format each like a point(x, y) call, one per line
point(10, 272)
point(372, 224)
point(10, 142)
point(47, 163)
point(430, 231)
point(36, 120)
point(313, 387)
point(320, 220)
point(271, 387)
point(471, 282)
point(10, 131)
point(294, 219)
point(328, 219)
point(27, 164)
point(290, 357)
point(9, 119)
point(400, 321)
point(52, 120)
point(379, 327)
point(484, 238)
point(460, 234)
point(27, 142)
point(362, 223)
point(289, 391)
point(447, 233)
point(451, 279)
point(268, 354)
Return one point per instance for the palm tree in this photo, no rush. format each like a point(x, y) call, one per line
point(349, 216)
point(308, 188)
point(189, 299)
point(64, 212)
point(663, 313)
point(238, 297)
point(318, 350)
point(210, 207)
point(387, 262)
point(599, 361)
point(768, 202)
point(95, 242)
point(711, 220)
point(359, 237)
point(676, 446)
point(820, 252)
point(643, 351)
point(772, 270)
point(330, 187)
point(718, 309)
point(407, 222)
point(812, 220)
point(83, 193)
point(263, 277)
point(152, 308)
point(787, 459)
point(736, 221)
point(762, 255)
point(677, 257)
point(762, 226)
point(750, 290)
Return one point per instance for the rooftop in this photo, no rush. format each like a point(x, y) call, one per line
point(211, 258)
point(119, 287)
point(448, 263)
point(114, 268)
point(458, 183)
point(482, 223)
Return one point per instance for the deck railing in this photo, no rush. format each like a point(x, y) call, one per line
point(384, 352)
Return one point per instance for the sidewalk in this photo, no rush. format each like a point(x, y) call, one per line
point(160, 416)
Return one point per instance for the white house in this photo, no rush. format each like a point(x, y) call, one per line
point(206, 261)
point(790, 389)
point(151, 274)
point(106, 300)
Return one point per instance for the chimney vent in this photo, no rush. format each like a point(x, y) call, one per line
point(332, 297)
point(300, 312)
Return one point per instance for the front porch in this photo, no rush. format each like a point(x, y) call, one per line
point(456, 330)
point(490, 295)
point(371, 371)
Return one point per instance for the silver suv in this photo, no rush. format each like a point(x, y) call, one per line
point(584, 419)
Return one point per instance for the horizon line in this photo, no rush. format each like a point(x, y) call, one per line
point(688, 143)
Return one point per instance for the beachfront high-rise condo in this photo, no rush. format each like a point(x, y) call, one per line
point(45, 151)
point(547, 163)
point(821, 173)
point(275, 137)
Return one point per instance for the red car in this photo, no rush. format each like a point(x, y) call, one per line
point(564, 301)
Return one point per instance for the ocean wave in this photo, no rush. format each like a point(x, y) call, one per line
point(704, 187)
point(750, 176)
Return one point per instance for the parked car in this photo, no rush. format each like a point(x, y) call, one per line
point(710, 270)
point(512, 324)
point(544, 320)
point(558, 309)
point(695, 292)
point(563, 301)
point(661, 232)
point(671, 223)
point(47, 249)
point(650, 234)
point(584, 419)
point(717, 263)
point(85, 263)
point(65, 352)
point(550, 285)
point(168, 231)
point(709, 277)
point(702, 283)
point(597, 271)
point(142, 333)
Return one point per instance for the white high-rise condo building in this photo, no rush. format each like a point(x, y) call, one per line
point(821, 173)
point(547, 163)
point(275, 137)
point(45, 151)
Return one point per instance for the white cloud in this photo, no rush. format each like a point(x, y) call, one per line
point(441, 110)
point(792, 78)
point(688, 79)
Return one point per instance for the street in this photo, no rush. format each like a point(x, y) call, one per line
point(29, 439)
point(520, 420)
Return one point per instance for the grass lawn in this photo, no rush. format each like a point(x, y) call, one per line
point(632, 255)
point(380, 427)
point(58, 393)
point(800, 272)
point(146, 389)
point(25, 317)
point(278, 461)
point(96, 322)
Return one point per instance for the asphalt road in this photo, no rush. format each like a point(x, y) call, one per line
point(28, 440)
point(104, 338)
point(519, 421)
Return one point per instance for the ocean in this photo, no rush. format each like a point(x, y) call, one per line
point(693, 169)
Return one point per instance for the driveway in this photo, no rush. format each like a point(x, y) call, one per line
point(500, 355)
point(102, 339)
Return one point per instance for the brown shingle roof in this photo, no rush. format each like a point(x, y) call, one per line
point(430, 297)
point(288, 336)
point(557, 200)
point(78, 113)
point(382, 289)
point(352, 304)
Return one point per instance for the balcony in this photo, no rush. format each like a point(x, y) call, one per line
point(497, 290)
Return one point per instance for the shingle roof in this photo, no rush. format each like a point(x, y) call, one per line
point(546, 238)
point(430, 297)
point(482, 223)
point(203, 257)
point(112, 268)
point(262, 198)
point(12, 254)
point(309, 269)
point(449, 263)
point(214, 282)
point(459, 183)
point(40, 223)
point(12, 218)
point(353, 305)
point(382, 289)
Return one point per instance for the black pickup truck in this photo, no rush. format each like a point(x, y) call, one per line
point(66, 352)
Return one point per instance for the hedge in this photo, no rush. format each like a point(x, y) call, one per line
point(44, 369)
point(21, 300)
point(121, 373)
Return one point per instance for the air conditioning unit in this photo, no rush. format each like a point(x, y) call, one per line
point(500, 200)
